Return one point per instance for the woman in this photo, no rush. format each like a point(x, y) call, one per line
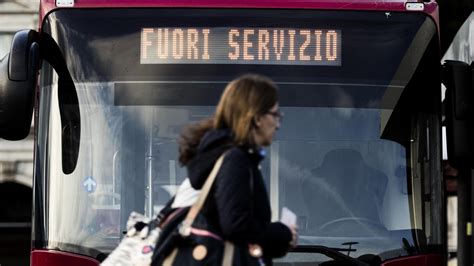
point(238, 207)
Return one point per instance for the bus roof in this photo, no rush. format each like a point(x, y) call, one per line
point(430, 7)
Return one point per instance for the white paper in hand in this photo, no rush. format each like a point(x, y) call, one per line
point(288, 217)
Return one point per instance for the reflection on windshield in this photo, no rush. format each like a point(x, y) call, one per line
point(342, 180)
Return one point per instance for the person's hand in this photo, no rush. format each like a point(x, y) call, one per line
point(294, 236)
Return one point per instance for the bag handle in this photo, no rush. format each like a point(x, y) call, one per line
point(185, 228)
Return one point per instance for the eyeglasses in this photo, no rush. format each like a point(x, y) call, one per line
point(277, 114)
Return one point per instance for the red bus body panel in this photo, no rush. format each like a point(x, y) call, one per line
point(58, 258)
point(431, 8)
point(419, 260)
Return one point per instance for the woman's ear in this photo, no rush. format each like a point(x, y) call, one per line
point(256, 121)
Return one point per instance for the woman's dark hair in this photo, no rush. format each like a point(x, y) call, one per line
point(190, 138)
point(242, 101)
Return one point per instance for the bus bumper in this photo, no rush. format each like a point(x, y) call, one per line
point(58, 258)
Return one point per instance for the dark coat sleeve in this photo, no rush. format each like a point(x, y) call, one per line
point(234, 201)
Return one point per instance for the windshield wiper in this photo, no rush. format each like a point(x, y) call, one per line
point(333, 253)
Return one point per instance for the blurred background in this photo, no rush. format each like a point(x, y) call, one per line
point(16, 158)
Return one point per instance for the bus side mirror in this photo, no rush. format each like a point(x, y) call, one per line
point(458, 77)
point(18, 73)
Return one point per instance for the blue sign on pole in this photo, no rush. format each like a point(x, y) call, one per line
point(89, 184)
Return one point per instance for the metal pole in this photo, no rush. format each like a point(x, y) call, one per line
point(149, 159)
point(275, 180)
point(464, 217)
point(471, 212)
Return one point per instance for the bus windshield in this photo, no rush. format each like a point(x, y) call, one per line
point(354, 157)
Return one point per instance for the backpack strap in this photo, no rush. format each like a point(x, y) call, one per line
point(228, 254)
point(170, 259)
point(185, 228)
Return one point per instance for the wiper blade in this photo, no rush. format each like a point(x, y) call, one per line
point(333, 253)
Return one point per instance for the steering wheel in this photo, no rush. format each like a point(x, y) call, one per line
point(354, 220)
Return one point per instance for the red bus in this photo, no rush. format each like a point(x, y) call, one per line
point(358, 157)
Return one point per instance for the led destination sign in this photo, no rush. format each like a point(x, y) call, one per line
point(275, 46)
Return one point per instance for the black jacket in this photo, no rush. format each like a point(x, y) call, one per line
point(237, 206)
